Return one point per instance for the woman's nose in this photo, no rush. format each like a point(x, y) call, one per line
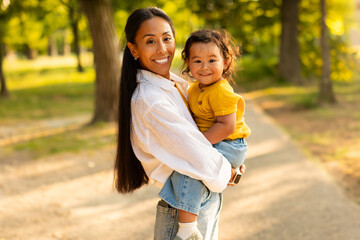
point(161, 48)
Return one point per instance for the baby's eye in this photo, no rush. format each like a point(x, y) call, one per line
point(197, 61)
point(212, 60)
point(150, 41)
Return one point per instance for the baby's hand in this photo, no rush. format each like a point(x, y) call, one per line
point(243, 168)
point(233, 174)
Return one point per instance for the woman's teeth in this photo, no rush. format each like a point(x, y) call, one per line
point(165, 60)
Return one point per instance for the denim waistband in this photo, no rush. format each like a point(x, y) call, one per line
point(164, 204)
point(241, 140)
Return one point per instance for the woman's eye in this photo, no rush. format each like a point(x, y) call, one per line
point(166, 39)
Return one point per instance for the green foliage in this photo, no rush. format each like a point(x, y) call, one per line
point(25, 29)
point(306, 100)
point(255, 25)
point(176, 10)
point(256, 72)
point(338, 22)
point(32, 23)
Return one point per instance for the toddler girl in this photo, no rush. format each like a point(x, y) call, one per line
point(218, 112)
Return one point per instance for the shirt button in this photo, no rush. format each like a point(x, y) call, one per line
point(199, 102)
point(201, 90)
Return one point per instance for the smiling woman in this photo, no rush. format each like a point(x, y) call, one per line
point(154, 46)
point(157, 135)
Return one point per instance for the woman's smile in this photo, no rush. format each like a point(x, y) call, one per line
point(162, 61)
point(154, 46)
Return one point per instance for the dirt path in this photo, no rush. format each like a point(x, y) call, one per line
point(70, 196)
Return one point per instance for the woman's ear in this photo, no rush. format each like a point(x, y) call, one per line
point(132, 49)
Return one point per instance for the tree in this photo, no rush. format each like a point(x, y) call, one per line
point(3, 91)
point(74, 13)
point(289, 59)
point(326, 93)
point(106, 57)
point(4, 15)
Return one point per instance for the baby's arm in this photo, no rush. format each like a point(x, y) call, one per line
point(224, 126)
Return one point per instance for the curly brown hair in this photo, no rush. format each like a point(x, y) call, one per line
point(223, 39)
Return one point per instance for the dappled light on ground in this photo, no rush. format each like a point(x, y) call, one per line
point(274, 91)
point(65, 197)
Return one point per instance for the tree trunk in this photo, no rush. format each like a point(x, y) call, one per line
point(326, 93)
point(3, 89)
point(289, 60)
point(75, 29)
point(30, 54)
point(106, 55)
point(52, 50)
point(74, 14)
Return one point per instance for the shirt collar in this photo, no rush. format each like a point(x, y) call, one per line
point(144, 76)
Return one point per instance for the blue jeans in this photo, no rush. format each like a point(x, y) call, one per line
point(233, 150)
point(185, 193)
point(167, 218)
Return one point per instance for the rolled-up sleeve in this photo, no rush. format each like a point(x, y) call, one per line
point(177, 143)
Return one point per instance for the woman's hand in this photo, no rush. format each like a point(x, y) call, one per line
point(233, 174)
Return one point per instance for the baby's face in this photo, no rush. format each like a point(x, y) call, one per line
point(206, 63)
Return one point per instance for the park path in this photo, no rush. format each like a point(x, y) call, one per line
point(12, 133)
point(282, 196)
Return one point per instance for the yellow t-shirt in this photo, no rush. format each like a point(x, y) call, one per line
point(215, 100)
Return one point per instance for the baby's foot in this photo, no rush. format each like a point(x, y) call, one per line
point(188, 231)
point(194, 236)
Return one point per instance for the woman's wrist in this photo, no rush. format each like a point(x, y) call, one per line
point(236, 174)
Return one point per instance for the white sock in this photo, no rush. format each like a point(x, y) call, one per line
point(187, 229)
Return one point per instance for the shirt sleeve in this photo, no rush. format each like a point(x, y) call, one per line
point(223, 101)
point(181, 146)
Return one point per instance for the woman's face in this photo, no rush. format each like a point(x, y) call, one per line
point(154, 46)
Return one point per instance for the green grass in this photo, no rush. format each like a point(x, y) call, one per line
point(86, 138)
point(49, 101)
point(51, 88)
point(46, 88)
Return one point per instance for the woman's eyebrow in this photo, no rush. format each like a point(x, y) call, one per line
point(153, 35)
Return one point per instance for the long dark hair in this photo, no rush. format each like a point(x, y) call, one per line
point(225, 42)
point(129, 174)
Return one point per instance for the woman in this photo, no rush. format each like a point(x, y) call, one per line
point(157, 134)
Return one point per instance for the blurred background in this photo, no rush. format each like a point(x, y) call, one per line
point(60, 64)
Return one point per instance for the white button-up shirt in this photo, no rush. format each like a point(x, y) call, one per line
point(165, 138)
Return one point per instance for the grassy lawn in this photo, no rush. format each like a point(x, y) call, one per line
point(46, 88)
point(329, 134)
point(87, 138)
point(51, 88)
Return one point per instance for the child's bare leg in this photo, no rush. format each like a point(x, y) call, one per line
point(186, 217)
point(188, 226)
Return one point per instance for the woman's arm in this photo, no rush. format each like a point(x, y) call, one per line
point(161, 131)
point(224, 126)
